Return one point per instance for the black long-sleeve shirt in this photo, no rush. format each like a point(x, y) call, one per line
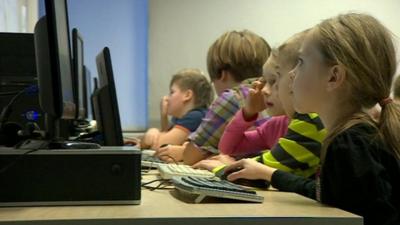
point(359, 175)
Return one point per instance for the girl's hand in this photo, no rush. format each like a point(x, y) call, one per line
point(170, 153)
point(255, 102)
point(249, 169)
point(208, 164)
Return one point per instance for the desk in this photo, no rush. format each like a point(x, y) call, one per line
point(161, 207)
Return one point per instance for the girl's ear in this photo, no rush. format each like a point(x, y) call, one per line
point(188, 95)
point(337, 76)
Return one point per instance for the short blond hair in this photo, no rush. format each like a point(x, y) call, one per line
point(195, 80)
point(242, 53)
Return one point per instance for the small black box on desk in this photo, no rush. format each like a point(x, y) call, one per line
point(110, 175)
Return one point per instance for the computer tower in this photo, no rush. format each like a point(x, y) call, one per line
point(110, 175)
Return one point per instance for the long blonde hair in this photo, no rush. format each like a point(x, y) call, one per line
point(365, 48)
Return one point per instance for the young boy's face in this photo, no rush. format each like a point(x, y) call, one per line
point(176, 101)
point(270, 90)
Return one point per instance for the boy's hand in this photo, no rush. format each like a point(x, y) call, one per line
point(164, 106)
point(150, 139)
point(132, 141)
point(170, 153)
point(255, 100)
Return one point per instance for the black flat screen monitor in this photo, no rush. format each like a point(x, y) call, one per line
point(105, 102)
point(53, 61)
point(79, 70)
point(88, 90)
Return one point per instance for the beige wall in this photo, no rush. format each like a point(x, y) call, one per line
point(181, 30)
point(18, 15)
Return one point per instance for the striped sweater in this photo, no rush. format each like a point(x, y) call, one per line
point(298, 152)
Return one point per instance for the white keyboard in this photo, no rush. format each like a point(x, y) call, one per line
point(149, 160)
point(203, 187)
point(167, 171)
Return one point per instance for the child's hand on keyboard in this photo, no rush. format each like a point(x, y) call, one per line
point(150, 139)
point(170, 153)
point(132, 141)
point(249, 169)
point(208, 164)
point(225, 159)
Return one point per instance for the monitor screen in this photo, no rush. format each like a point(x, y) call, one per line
point(79, 81)
point(87, 93)
point(53, 60)
point(105, 102)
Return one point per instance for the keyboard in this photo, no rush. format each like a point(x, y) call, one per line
point(204, 187)
point(149, 160)
point(168, 171)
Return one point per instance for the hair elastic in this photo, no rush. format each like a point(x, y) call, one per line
point(385, 101)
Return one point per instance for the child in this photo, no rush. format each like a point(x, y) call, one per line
point(190, 95)
point(234, 61)
point(347, 64)
point(239, 139)
point(298, 151)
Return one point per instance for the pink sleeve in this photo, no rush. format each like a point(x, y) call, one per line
point(238, 140)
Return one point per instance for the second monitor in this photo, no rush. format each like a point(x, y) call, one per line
point(105, 102)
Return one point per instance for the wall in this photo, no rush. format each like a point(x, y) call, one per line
point(18, 15)
point(122, 25)
point(181, 31)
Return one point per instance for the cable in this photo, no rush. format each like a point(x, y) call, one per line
point(159, 186)
point(7, 109)
point(146, 169)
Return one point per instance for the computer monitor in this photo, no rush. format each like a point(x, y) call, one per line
point(87, 86)
point(95, 87)
point(55, 78)
point(53, 62)
point(105, 102)
point(79, 81)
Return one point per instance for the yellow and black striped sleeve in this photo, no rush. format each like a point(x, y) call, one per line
point(298, 152)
